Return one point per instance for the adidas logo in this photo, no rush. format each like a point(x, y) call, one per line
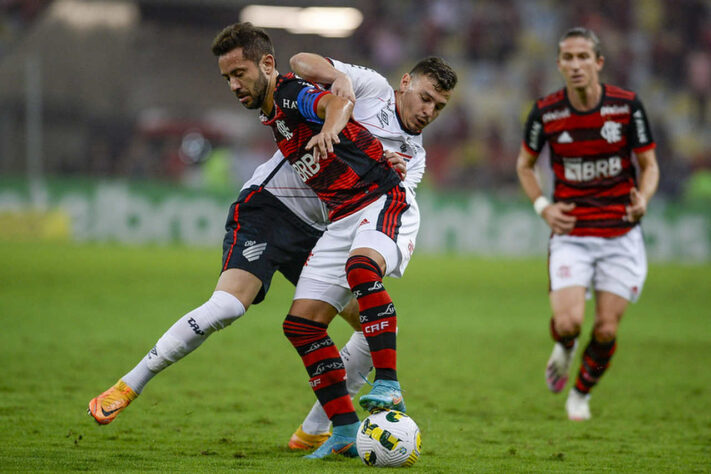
point(254, 252)
point(363, 222)
point(565, 138)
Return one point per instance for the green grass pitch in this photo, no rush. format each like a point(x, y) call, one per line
point(473, 343)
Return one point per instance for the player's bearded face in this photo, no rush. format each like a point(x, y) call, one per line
point(245, 78)
point(256, 92)
point(419, 102)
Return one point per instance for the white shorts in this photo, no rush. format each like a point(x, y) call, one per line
point(388, 226)
point(617, 265)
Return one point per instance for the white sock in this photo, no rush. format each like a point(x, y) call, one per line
point(185, 336)
point(356, 358)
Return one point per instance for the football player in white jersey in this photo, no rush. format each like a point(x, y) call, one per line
point(397, 119)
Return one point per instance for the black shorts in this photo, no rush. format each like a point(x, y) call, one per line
point(263, 236)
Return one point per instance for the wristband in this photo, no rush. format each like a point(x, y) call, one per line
point(540, 203)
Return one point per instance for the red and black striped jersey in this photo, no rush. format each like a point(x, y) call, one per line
point(591, 155)
point(353, 176)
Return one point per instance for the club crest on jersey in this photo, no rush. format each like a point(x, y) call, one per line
point(306, 167)
point(610, 131)
point(284, 130)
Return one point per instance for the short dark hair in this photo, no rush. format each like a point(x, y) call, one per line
point(438, 70)
point(582, 32)
point(255, 42)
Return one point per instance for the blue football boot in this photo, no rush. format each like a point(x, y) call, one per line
point(385, 395)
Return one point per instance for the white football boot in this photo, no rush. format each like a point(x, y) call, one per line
point(578, 405)
point(558, 366)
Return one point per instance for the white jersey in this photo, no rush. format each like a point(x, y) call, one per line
point(291, 190)
point(374, 109)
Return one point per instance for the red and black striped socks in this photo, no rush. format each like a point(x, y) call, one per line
point(327, 374)
point(596, 359)
point(377, 314)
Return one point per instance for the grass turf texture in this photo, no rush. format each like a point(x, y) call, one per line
point(472, 348)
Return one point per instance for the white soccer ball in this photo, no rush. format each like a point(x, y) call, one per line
point(388, 438)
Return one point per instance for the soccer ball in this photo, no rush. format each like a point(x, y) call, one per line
point(388, 438)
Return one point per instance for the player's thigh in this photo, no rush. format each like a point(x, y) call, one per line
point(622, 266)
point(311, 293)
point(609, 309)
point(241, 284)
point(568, 306)
point(389, 227)
point(327, 260)
point(570, 262)
point(262, 235)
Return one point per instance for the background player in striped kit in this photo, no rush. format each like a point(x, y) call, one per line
point(598, 200)
point(370, 212)
point(396, 118)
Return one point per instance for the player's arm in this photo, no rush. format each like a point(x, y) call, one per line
point(335, 112)
point(648, 182)
point(555, 214)
point(316, 68)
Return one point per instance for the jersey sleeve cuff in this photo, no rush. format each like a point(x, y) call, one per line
point(529, 149)
point(644, 148)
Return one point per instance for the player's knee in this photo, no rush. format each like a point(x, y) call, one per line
point(221, 310)
point(567, 326)
point(605, 331)
point(359, 267)
point(351, 314)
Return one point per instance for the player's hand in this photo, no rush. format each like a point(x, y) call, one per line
point(342, 86)
point(557, 217)
point(637, 207)
point(322, 144)
point(397, 162)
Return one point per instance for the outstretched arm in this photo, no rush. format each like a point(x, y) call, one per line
point(315, 68)
point(555, 214)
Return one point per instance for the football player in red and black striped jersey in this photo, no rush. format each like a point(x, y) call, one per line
point(370, 211)
point(605, 172)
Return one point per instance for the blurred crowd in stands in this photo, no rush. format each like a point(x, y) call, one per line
point(504, 52)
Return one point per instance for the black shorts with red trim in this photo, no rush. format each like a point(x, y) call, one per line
point(263, 236)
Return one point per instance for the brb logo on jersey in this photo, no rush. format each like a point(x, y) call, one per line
point(306, 167)
point(578, 170)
